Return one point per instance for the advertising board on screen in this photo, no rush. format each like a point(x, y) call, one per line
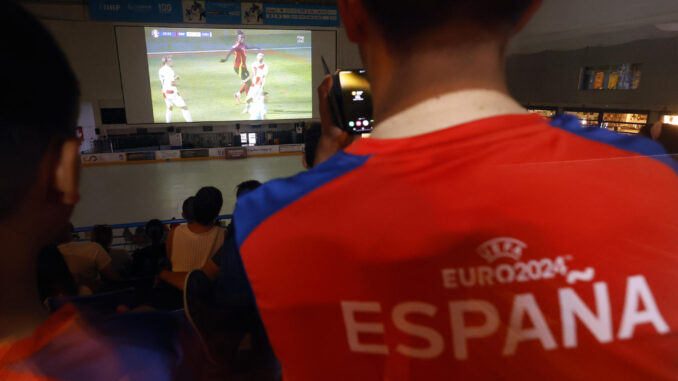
point(211, 75)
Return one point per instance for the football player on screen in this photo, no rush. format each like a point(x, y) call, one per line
point(169, 90)
point(240, 66)
point(255, 96)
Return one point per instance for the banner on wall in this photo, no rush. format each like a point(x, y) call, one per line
point(262, 150)
point(193, 153)
point(213, 12)
point(235, 153)
point(167, 154)
point(140, 156)
point(301, 15)
point(252, 13)
point(194, 11)
point(216, 152)
point(222, 13)
point(285, 148)
point(136, 10)
point(102, 158)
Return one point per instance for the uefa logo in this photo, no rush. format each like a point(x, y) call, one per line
point(502, 247)
point(155, 33)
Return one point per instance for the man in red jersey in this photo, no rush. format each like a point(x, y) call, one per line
point(466, 239)
point(240, 64)
point(39, 168)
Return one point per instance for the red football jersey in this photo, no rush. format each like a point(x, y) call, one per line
point(505, 248)
point(240, 56)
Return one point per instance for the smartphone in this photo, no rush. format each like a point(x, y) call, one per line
point(351, 101)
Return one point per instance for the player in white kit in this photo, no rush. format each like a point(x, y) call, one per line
point(256, 96)
point(170, 92)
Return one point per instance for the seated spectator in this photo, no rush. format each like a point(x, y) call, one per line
point(120, 258)
point(211, 268)
point(39, 172)
point(190, 246)
point(87, 261)
point(150, 260)
point(208, 305)
point(187, 210)
point(139, 238)
point(54, 277)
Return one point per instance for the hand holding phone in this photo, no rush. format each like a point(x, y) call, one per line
point(350, 99)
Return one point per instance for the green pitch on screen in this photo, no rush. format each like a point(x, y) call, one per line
point(207, 85)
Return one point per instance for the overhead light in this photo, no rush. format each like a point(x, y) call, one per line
point(668, 27)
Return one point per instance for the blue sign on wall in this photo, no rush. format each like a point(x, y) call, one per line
point(227, 13)
point(301, 15)
point(136, 10)
point(222, 13)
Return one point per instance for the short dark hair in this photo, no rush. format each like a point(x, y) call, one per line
point(154, 230)
point(207, 205)
point(187, 209)
point(246, 187)
point(103, 235)
point(402, 27)
point(311, 139)
point(30, 124)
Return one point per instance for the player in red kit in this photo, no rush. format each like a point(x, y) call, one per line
point(240, 65)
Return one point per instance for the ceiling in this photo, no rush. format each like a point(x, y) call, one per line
point(574, 24)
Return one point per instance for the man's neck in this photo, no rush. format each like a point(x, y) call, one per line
point(20, 309)
point(400, 83)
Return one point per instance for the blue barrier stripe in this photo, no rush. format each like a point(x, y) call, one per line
point(136, 224)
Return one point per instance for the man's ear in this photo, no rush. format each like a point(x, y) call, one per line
point(354, 18)
point(67, 172)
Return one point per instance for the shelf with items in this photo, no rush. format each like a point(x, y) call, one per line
point(624, 122)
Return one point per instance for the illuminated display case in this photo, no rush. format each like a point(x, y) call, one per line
point(588, 118)
point(671, 119)
point(545, 112)
point(628, 123)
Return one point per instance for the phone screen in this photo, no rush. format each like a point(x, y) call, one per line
point(357, 101)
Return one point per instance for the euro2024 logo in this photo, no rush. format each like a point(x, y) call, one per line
point(520, 271)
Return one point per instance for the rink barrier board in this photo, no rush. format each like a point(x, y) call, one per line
point(144, 157)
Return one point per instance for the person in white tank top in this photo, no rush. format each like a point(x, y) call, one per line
point(190, 246)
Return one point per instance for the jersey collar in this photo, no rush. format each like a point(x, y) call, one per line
point(445, 111)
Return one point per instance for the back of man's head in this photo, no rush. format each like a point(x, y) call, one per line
point(154, 231)
point(38, 105)
point(207, 205)
point(187, 209)
point(472, 19)
point(246, 187)
point(103, 235)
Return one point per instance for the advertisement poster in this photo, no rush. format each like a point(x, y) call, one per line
point(612, 81)
point(223, 13)
point(252, 13)
point(598, 80)
point(236, 153)
point(194, 11)
point(136, 10)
